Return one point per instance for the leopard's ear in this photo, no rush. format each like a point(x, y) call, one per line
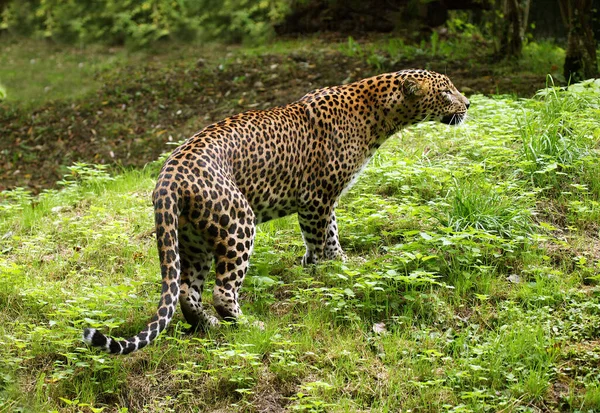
point(412, 88)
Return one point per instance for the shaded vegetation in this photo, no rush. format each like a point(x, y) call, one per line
point(140, 23)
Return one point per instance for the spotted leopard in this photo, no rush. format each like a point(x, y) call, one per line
point(218, 185)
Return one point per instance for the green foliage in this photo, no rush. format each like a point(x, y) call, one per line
point(462, 44)
point(471, 285)
point(481, 207)
point(242, 20)
point(139, 23)
point(80, 173)
point(543, 57)
point(559, 138)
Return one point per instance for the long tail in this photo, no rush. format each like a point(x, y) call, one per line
point(166, 219)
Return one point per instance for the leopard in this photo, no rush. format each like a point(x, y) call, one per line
point(218, 185)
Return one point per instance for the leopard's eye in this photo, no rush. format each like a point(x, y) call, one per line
point(447, 94)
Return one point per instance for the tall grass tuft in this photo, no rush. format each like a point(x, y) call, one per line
point(481, 206)
point(555, 139)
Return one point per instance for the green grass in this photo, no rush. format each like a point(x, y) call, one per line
point(471, 286)
point(35, 72)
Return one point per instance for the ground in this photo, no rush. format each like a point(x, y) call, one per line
point(472, 280)
point(107, 106)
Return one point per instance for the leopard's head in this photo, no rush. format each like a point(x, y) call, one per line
point(431, 95)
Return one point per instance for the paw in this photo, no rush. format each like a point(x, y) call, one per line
point(209, 323)
point(309, 259)
point(335, 254)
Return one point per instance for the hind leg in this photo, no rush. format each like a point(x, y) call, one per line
point(333, 249)
point(233, 247)
point(195, 266)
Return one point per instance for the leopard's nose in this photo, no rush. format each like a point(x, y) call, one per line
point(467, 104)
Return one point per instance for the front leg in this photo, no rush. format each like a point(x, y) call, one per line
point(333, 249)
point(320, 233)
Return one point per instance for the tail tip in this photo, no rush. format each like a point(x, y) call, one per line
point(94, 338)
point(88, 335)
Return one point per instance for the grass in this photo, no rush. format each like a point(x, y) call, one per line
point(35, 72)
point(472, 283)
point(462, 292)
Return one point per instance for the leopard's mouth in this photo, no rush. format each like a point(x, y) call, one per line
point(454, 119)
